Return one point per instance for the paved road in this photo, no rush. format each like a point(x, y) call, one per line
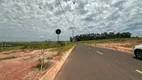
point(93, 63)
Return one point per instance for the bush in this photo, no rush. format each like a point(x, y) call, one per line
point(45, 66)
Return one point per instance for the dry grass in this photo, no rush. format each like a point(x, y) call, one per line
point(7, 58)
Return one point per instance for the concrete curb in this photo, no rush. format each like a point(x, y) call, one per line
point(52, 72)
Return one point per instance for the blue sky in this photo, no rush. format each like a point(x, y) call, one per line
point(37, 20)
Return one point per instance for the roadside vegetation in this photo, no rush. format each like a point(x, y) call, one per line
point(45, 66)
point(120, 44)
point(8, 46)
point(7, 58)
point(44, 62)
point(100, 36)
point(112, 40)
point(108, 37)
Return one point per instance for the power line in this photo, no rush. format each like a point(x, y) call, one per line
point(66, 17)
point(64, 13)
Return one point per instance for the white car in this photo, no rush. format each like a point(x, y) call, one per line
point(138, 51)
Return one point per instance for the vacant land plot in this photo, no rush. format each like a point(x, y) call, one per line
point(8, 46)
point(26, 64)
point(21, 65)
point(125, 45)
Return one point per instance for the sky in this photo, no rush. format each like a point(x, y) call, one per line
point(37, 20)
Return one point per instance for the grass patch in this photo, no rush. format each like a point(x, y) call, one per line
point(10, 48)
point(45, 66)
point(6, 58)
point(68, 46)
point(62, 49)
point(111, 40)
point(51, 57)
point(128, 46)
point(65, 47)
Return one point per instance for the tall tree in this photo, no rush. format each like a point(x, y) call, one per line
point(105, 35)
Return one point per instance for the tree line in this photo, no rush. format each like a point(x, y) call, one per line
point(99, 36)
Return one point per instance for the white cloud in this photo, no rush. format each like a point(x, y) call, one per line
point(35, 19)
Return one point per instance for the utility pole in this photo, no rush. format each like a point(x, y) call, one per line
point(58, 37)
point(72, 33)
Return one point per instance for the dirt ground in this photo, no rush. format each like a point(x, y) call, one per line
point(22, 67)
point(120, 46)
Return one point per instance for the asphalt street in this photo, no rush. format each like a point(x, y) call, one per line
point(93, 63)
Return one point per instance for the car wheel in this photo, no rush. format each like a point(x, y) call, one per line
point(138, 54)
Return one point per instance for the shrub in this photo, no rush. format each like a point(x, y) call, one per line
point(45, 66)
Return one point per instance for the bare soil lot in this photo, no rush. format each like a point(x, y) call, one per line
point(126, 46)
point(23, 66)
